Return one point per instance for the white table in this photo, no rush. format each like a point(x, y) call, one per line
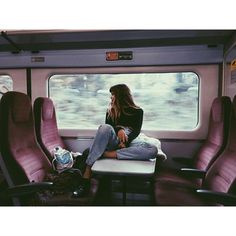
point(124, 168)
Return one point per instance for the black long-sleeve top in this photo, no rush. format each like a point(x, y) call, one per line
point(133, 120)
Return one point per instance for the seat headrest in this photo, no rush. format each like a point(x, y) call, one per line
point(217, 108)
point(47, 108)
point(18, 104)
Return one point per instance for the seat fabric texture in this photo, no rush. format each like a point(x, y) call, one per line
point(24, 160)
point(220, 177)
point(46, 126)
point(212, 147)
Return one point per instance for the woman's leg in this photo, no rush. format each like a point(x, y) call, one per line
point(105, 139)
point(138, 151)
point(110, 154)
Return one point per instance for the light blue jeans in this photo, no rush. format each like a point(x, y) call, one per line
point(107, 140)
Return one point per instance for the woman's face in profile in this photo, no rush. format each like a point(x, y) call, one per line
point(112, 98)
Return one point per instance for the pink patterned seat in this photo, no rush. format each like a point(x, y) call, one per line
point(22, 159)
point(46, 126)
point(218, 186)
point(212, 147)
point(47, 131)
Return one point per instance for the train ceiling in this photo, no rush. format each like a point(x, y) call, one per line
point(41, 40)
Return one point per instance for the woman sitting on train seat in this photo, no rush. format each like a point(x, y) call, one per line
point(118, 138)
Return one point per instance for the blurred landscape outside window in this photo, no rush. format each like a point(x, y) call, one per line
point(6, 84)
point(169, 100)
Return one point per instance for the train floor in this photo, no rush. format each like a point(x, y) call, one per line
point(134, 193)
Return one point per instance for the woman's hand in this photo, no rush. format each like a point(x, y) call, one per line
point(122, 137)
point(122, 145)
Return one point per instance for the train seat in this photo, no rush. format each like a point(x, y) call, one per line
point(23, 162)
point(219, 182)
point(47, 133)
point(212, 147)
point(46, 126)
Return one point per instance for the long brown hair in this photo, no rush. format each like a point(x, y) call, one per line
point(123, 99)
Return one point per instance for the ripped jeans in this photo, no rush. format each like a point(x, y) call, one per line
point(107, 140)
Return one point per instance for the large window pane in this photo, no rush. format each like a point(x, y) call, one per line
point(169, 100)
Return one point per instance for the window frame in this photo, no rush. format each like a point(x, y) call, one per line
point(208, 90)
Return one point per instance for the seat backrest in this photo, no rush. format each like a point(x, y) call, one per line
point(46, 126)
point(221, 176)
point(23, 159)
point(217, 135)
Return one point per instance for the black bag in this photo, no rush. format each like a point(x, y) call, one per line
point(71, 178)
point(66, 181)
point(65, 160)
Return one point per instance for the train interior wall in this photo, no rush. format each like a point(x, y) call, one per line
point(173, 143)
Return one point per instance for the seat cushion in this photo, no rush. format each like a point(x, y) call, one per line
point(175, 176)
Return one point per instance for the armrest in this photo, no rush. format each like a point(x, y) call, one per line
point(26, 189)
point(183, 160)
point(218, 197)
point(194, 173)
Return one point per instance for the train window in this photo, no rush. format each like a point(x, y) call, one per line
point(6, 84)
point(169, 100)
